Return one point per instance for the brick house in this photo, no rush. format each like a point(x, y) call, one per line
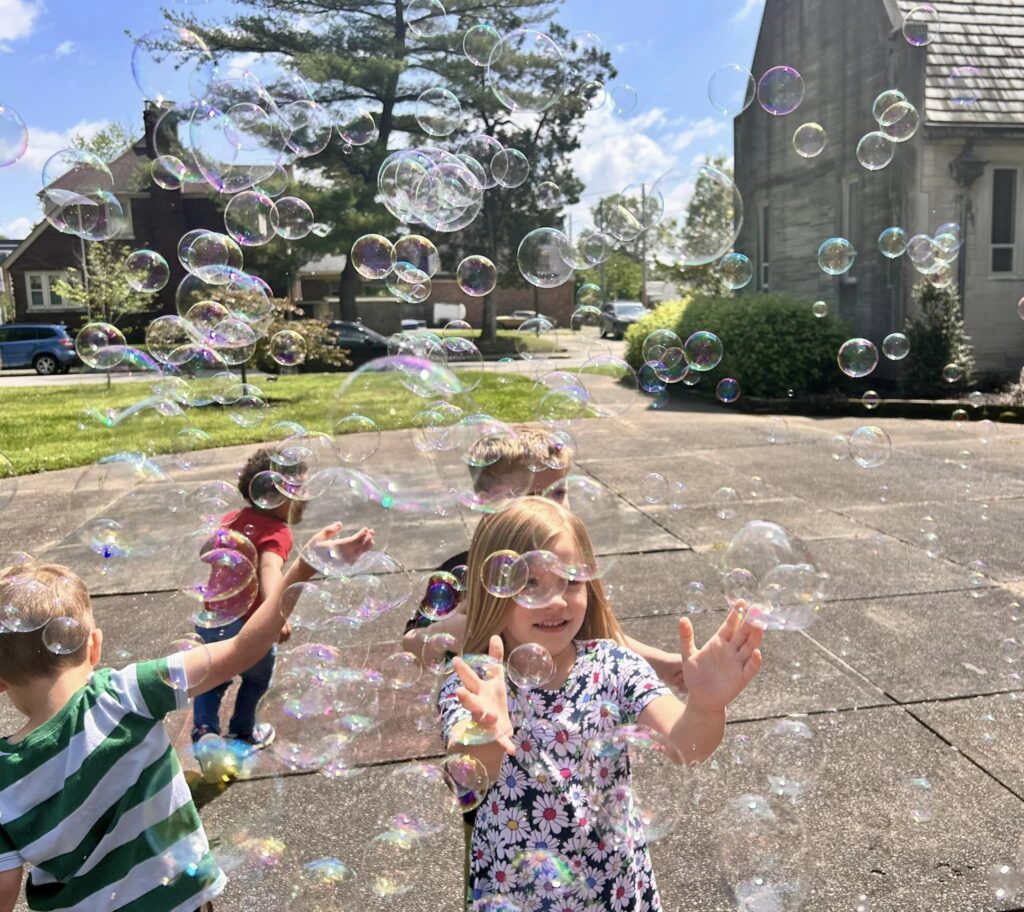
point(964, 165)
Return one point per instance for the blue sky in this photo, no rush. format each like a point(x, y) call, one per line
point(65, 66)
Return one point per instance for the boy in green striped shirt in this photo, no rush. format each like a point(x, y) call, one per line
point(92, 795)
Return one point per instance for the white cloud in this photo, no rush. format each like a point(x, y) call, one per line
point(17, 228)
point(749, 8)
point(44, 143)
point(65, 49)
point(707, 128)
point(17, 20)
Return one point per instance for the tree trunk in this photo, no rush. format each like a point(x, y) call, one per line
point(351, 284)
point(489, 327)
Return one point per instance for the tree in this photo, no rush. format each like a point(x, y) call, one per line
point(622, 277)
point(6, 307)
point(362, 55)
point(102, 287)
point(937, 337)
point(109, 142)
point(322, 352)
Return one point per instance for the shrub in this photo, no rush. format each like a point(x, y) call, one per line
point(322, 352)
point(937, 337)
point(772, 342)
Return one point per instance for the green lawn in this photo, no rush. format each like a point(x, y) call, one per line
point(58, 427)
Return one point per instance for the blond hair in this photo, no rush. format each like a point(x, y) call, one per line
point(528, 524)
point(494, 456)
point(31, 595)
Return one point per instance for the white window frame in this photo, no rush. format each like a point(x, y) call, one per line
point(129, 230)
point(764, 272)
point(848, 185)
point(48, 278)
point(1014, 271)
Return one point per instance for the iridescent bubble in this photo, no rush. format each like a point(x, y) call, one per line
point(885, 101)
point(426, 18)
point(857, 357)
point(952, 373)
point(712, 220)
point(650, 377)
point(871, 400)
point(809, 140)
point(870, 447)
point(654, 488)
point(964, 84)
point(530, 665)
point(892, 242)
point(979, 580)
point(442, 596)
point(65, 635)
point(819, 309)
point(736, 271)
point(527, 72)
point(695, 597)
point(287, 348)
point(438, 112)
point(624, 98)
point(359, 129)
point(101, 346)
point(732, 89)
point(900, 122)
point(169, 172)
point(875, 150)
point(728, 390)
point(703, 351)
point(13, 136)
point(921, 25)
point(504, 574)
point(777, 429)
point(549, 195)
point(251, 218)
point(836, 256)
point(780, 90)
point(146, 270)
point(895, 346)
point(724, 501)
point(477, 276)
point(373, 256)
point(420, 252)
point(479, 42)
point(172, 64)
point(294, 218)
point(510, 168)
point(543, 258)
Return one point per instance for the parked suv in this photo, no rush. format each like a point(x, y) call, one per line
point(45, 346)
point(618, 317)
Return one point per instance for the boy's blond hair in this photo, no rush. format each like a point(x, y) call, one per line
point(31, 595)
point(528, 524)
point(493, 456)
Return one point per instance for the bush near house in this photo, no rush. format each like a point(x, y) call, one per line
point(772, 342)
point(937, 337)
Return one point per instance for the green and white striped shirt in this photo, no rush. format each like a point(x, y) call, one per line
point(95, 801)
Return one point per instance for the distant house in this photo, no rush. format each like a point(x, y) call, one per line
point(964, 165)
point(156, 219)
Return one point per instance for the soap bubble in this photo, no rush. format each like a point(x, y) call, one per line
point(712, 220)
point(703, 351)
point(169, 172)
point(836, 256)
point(654, 488)
point(438, 112)
point(477, 276)
point(952, 373)
point(426, 18)
point(724, 501)
point(893, 242)
point(546, 580)
point(510, 168)
point(780, 90)
point(527, 72)
point(895, 346)
point(776, 429)
point(65, 635)
point(172, 64)
point(479, 42)
point(901, 122)
point(544, 258)
point(147, 270)
point(728, 390)
point(294, 218)
point(419, 252)
point(373, 256)
point(13, 136)
point(964, 83)
point(819, 309)
point(732, 89)
point(358, 130)
point(287, 348)
point(857, 357)
point(530, 665)
point(870, 447)
point(871, 400)
point(695, 597)
point(504, 574)
point(809, 140)
point(101, 346)
point(251, 218)
point(921, 25)
point(736, 271)
point(875, 150)
point(442, 595)
point(979, 580)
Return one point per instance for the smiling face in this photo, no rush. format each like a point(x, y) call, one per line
point(555, 625)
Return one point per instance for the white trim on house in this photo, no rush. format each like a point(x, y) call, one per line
point(46, 279)
point(1014, 246)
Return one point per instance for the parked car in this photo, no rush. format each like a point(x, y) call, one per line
point(45, 346)
point(619, 316)
point(412, 325)
point(518, 317)
point(445, 313)
point(363, 344)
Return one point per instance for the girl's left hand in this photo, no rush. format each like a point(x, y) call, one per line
point(717, 672)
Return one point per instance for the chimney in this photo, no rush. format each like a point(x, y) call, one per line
point(150, 117)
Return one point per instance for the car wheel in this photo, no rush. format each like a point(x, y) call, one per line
point(45, 365)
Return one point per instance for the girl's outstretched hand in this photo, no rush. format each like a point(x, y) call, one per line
point(486, 698)
point(718, 671)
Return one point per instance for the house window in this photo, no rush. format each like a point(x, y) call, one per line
point(853, 213)
point(763, 247)
point(1004, 218)
point(41, 295)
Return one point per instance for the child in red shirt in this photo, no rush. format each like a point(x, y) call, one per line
point(268, 530)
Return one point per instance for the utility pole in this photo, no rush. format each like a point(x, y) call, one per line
point(643, 245)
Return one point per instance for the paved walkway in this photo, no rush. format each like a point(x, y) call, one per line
point(905, 677)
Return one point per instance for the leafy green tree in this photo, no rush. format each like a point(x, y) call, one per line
point(937, 337)
point(322, 352)
point(6, 307)
point(362, 55)
point(109, 142)
point(102, 287)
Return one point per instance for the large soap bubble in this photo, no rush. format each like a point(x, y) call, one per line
point(544, 258)
point(710, 211)
point(527, 72)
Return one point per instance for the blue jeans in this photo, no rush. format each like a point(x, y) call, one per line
point(255, 683)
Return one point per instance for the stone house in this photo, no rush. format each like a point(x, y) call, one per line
point(964, 164)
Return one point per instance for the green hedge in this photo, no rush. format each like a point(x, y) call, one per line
point(773, 343)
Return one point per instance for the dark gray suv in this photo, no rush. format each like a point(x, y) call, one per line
point(619, 316)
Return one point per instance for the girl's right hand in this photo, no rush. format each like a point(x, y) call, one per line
point(486, 698)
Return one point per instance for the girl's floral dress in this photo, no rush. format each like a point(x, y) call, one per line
point(557, 832)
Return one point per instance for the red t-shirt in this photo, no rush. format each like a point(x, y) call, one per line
point(268, 534)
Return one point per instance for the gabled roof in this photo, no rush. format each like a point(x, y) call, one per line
point(987, 35)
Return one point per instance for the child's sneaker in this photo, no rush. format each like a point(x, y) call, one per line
point(263, 734)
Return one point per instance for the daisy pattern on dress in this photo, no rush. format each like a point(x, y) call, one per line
point(549, 814)
point(623, 891)
point(514, 825)
point(512, 784)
